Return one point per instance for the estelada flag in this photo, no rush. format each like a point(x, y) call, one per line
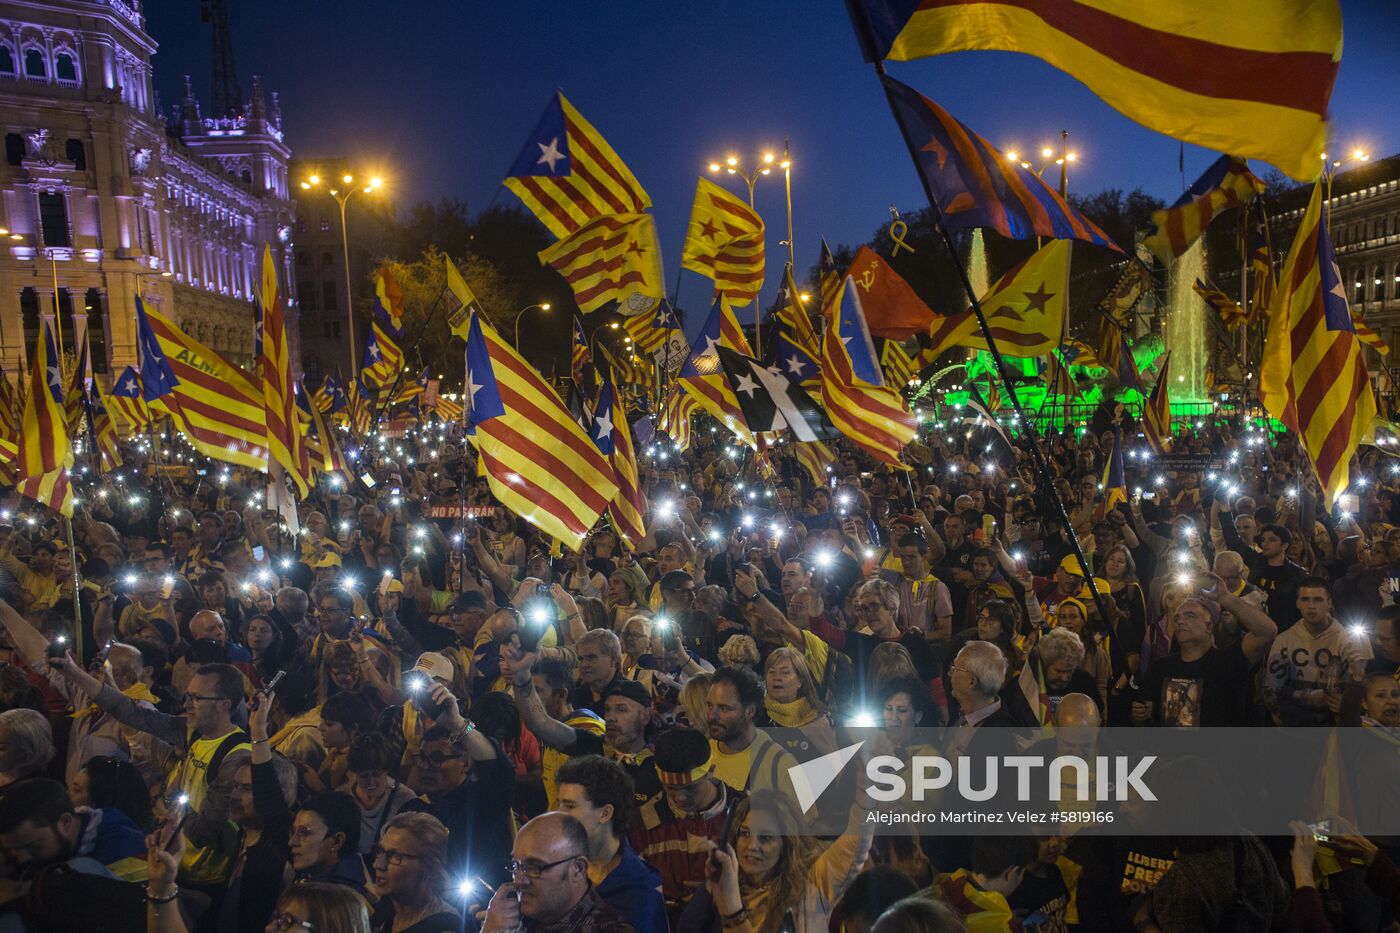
point(1250, 76)
point(891, 307)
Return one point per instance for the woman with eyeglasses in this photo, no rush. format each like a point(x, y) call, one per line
point(410, 878)
point(319, 908)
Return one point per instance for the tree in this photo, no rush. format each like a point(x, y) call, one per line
point(425, 320)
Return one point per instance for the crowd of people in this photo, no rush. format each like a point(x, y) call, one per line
point(218, 719)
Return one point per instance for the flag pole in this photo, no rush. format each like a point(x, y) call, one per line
point(1037, 455)
point(77, 592)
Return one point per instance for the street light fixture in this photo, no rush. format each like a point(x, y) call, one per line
point(1332, 167)
point(342, 197)
point(766, 163)
point(543, 306)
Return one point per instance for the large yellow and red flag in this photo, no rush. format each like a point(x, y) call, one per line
point(103, 429)
point(854, 393)
point(538, 460)
point(1251, 77)
point(1313, 377)
point(285, 443)
point(45, 449)
point(614, 258)
point(724, 242)
point(215, 403)
point(128, 398)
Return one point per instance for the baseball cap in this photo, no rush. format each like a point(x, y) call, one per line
point(436, 665)
point(326, 560)
point(1072, 565)
point(630, 689)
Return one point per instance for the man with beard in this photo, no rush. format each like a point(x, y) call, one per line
point(40, 827)
point(744, 758)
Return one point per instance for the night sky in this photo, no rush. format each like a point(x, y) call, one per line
point(439, 97)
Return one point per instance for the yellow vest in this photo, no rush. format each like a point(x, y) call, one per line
point(202, 865)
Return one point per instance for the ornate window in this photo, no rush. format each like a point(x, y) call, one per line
point(73, 151)
point(65, 68)
point(34, 65)
point(14, 149)
point(97, 330)
point(1378, 285)
point(7, 61)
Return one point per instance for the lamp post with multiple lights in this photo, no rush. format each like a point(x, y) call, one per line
point(343, 191)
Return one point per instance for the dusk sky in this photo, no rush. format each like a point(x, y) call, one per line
point(440, 96)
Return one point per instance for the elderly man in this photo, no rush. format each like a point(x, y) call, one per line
point(975, 679)
point(549, 890)
point(1203, 685)
point(1231, 569)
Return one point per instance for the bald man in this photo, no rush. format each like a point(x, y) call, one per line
point(549, 887)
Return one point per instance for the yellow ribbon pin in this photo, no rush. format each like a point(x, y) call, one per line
point(898, 231)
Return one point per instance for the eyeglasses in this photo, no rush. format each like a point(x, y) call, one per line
point(533, 870)
point(300, 833)
point(196, 696)
point(391, 856)
point(285, 922)
point(868, 608)
point(436, 759)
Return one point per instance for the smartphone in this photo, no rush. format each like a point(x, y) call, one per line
point(1321, 830)
point(422, 699)
point(1349, 502)
point(384, 583)
point(989, 525)
point(530, 632)
point(58, 648)
point(258, 552)
point(729, 810)
point(167, 587)
point(271, 685)
point(542, 591)
point(174, 823)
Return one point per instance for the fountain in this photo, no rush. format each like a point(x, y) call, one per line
point(1186, 327)
point(977, 263)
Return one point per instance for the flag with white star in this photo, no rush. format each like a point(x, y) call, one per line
point(773, 401)
point(702, 377)
point(614, 440)
point(128, 398)
point(1313, 377)
point(568, 175)
point(539, 462)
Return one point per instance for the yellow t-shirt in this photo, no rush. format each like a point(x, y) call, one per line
point(202, 865)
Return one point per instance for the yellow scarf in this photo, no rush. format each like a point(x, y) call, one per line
point(136, 692)
point(795, 713)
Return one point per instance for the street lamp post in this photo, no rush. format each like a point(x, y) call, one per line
point(1047, 156)
point(342, 197)
point(733, 166)
point(1331, 167)
point(543, 306)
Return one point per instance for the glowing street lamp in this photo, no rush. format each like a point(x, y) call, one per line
point(342, 194)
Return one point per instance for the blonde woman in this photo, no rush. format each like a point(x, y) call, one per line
point(782, 870)
point(693, 693)
point(792, 704)
point(635, 636)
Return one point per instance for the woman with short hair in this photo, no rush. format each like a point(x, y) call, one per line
point(410, 877)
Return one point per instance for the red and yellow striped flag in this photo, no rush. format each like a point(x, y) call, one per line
point(9, 427)
point(614, 440)
point(1232, 315)
point(128, 400)
point(45, 449)
point(1313, 377)
point(539, 462)
point(104, 430)
point(898, 367)
point(724, 242)
point(1251, 76)
point(285, 443)
point(872, 415)
point(614, 258)
point(703, 377)
point(792, 316)
point(1226, 185)
point(76, 392)
point(323, 450)
point(675, 417)
point(1368, 336)
point(447, 409)
point(814, 457)
point(1157, 412)
point(213, 402)
point(568, 175)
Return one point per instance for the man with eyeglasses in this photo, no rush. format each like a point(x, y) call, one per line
point(549, 890)
point(468, 785)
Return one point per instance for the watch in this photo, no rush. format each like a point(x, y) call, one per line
point(755, 597)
